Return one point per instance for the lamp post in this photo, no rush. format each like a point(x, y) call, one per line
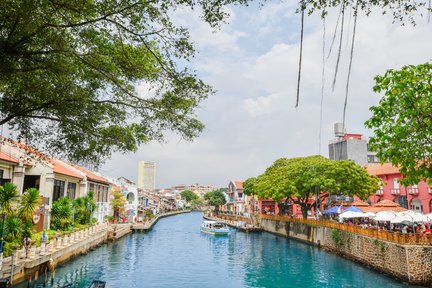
point(44, 234)
point(73, 217)
point(91, 212)
point(3, 216)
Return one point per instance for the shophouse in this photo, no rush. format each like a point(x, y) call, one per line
point(416, 197)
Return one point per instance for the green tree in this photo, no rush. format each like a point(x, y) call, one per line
point(402, 122)
point(19, 212)
point(61, 214)
point(188, 195)
point(215, 198)
point(118, 202)
point(9, 196)
point(302, 179)
point(249, 188)
point(69, 72)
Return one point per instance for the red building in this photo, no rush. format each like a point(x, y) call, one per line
point(416, 197)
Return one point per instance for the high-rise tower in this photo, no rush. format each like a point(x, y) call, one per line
point(147, 175)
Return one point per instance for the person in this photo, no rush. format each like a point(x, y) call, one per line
point(27, 243)
point(405, 229)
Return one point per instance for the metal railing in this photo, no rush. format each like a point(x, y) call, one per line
point(395, 237)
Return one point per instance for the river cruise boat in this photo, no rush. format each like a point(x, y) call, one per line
point(214, 228)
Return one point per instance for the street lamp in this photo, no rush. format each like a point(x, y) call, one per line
point(3, 215)
point(91, 212)
point(73, 217)
point(44, 234)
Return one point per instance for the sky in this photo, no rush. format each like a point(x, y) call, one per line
point(252, 63)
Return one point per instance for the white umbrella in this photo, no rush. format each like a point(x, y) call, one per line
point(385, 216)
point(351, 214)
point(415, 216)
point(369, 215)
point(402, 218)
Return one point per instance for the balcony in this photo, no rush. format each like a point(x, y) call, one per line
point(379, 192)
point(413, 191)
point(395, 191)
point(430, 190)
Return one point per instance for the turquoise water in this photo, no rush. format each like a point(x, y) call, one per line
point(176, 254)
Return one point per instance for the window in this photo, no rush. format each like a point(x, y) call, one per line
point(71, 190)
point(396, 183)
point(59, 187)
point(402, 201)
point(1, 173)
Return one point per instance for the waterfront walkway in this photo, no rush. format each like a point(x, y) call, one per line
point(54, 252)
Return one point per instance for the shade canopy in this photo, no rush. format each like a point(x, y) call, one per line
point(385, 216)
point(353, 209)
point(332, 210)
point(351, 214)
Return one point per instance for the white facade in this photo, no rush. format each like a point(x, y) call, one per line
point(147, 175)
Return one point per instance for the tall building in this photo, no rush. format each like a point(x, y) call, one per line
point(147, 175)
point(350, 147)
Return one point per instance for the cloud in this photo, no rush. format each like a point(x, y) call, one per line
point(251, 121)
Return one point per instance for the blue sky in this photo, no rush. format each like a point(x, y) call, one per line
point(252, 64)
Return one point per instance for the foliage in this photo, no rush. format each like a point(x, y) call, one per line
point(402, 121)
point(188, 195)
point(215, 198)
point(61, 214)
point(197, 203)
point(69, 72)
point(9, 196)
point(336, 236)
point(401, 10)
point(19, 210)
point(300, 179)
point(29, 202)
point(118, 202)
point(249, 186)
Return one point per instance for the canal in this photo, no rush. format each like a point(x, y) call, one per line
point(176, 254)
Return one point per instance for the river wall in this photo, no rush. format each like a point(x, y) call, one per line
point(410, 263)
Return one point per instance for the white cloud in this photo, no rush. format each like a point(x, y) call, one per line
point(251, 121)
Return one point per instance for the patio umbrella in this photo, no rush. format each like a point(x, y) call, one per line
point(353, 209)
point(332, 210)
point(385, 216)
point(351, 214)
point(415, 216)
point(369, 215)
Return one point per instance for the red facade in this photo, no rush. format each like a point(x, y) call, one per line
point(417, 197)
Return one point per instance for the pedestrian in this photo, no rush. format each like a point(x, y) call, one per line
point(27, 243)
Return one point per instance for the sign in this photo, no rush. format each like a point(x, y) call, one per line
point(36, 218)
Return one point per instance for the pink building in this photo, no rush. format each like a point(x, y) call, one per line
point(416, 197)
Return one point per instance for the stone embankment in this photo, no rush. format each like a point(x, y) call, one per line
point(148, 225)
point(42, 260)
point(411, 263)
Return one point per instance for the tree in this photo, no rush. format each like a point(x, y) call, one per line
point(215, 198)
point(69, 71)
point(188, 195)
point(118, 202)
point(61, 214)
point(402, 121)
point(250, 190)
point(304, 180)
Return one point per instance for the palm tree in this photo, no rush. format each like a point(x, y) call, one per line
point(8, 198)
point(61, 214)
point(30, 201)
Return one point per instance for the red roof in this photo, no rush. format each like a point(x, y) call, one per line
point(238, 184)
point(91, 175)
point(7, 157)
point(65, 169)
point(381, 169)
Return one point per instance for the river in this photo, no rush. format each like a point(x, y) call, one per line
point(176, 254)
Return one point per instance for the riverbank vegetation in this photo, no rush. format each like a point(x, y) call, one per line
point(306, 180)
